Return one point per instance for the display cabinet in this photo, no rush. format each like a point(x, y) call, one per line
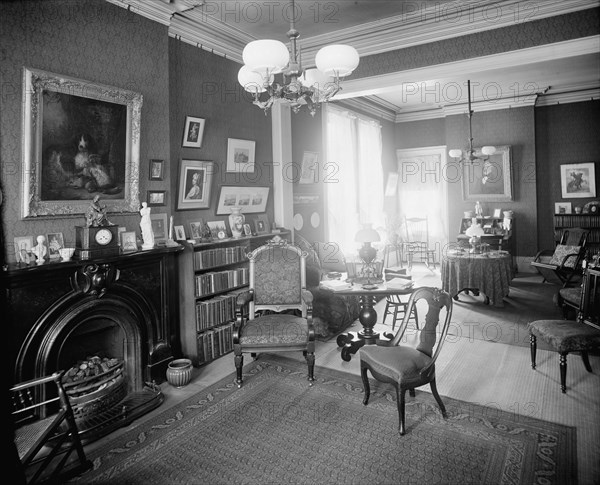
point(211, 275)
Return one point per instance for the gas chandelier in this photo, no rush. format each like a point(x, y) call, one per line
point(470, 156)
point(265, 59)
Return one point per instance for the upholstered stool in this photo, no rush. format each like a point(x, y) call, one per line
point(564, 336)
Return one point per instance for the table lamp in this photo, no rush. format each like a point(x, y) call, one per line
point(367, 253)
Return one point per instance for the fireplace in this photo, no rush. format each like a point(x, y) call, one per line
point(119, 313)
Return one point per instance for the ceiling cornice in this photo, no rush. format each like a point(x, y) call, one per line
point(443, 21)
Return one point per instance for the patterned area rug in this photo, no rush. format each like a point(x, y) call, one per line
point(276, 429)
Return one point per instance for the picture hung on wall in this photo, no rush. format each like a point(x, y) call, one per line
point(563, 208)
point(157, 197)
point(578, 180)
point(489, 180)
point(55, 243)
point(157, 169)
point(159, 227)
point(261, 224)
point(194, 185)
point(310, 168)
point(193, 132)
point(70, 154)
point(240, 155)
point(196, 229)
point(251, 199)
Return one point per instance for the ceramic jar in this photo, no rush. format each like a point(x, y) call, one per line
point(236, 222)
point(179, 372)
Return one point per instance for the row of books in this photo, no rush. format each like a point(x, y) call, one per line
point(216, 311)
point(215, 342)
point(214, 282)
point(209, 258)
point(579, 220)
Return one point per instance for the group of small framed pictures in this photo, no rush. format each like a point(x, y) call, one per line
point(24, 245)
point(218, 229)
point(156, 171)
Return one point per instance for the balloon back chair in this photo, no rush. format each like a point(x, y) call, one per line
point(406, 367)
point(276, 311)
point(45, 432)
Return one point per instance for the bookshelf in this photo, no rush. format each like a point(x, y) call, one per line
point(211, 275)
point(591, 222)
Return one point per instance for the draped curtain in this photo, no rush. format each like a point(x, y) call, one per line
point(353, 175)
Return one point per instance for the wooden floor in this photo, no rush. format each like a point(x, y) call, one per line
point(477, 371)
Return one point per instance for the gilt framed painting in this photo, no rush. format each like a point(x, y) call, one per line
point(489, 179)
point(578, 180)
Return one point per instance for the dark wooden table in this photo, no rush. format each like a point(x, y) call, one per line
point(368, 297)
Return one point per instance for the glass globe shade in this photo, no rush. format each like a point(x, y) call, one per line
point(488, 150)
point(252, 81)
point(455, 153)
point(315, 78)
point(337, 60)
point(266, 56)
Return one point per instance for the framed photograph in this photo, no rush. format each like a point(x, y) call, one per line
point(310, 168)
point(70, 153)
point(157, 169)
point(489, 180)
point(247, 230)
point(240, 155)
point(23, 247)
point(157, 197)
point(193, 132)
point(55, 242)
point(578, 180)
point(252, 199)
point(497, 213)
point(196, 229)
point(261, 224)
point(563, 208)
point(195, 180)
point(128, 241)
point(159, 227)
point(217, 227)
point(179, 233)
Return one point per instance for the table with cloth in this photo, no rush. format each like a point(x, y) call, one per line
point(488, 273)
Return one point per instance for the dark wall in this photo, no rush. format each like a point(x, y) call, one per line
point(565, 134)
point(100, 43)
point(205, 85)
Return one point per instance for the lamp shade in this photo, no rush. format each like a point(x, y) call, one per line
point(266, 56)
point(455, 153)
point(313, 78)
point(367, 235)
point(337, 60)
point(488, 150)
point(252, 81)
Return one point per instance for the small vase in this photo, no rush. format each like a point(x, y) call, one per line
point(236, 222)
point(179, 372)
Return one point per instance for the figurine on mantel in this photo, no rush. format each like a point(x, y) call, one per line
point(40, 250)
point(146, 227)
point(96, 214)
point(478, 210)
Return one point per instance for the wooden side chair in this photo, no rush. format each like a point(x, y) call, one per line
point(416, 245)
point(567, 336)
point(406, 367)
point(276, 311)
point(46, 434)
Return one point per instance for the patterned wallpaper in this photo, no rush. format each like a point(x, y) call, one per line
point(101, 43)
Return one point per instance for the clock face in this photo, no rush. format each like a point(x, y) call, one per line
point(104, 237)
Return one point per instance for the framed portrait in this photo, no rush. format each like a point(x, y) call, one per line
point(489, 180)
point(55, 242)
point(195, 180)
point(157, 197)
point(193, 132)
point(157, 169)
point(217, 227)
point(497, 213)
point(578, 180)
point(128, 241)
point(309, 168)
point(240, 155)
point(70, 153)
point(563, 208)
point(23, 247)
point(179, 233)
point(196, 229)
point(247, 230)
point(251, 199)
point(159, 227)
point(261, 224)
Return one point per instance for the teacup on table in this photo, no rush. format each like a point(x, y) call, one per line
point(66, 253)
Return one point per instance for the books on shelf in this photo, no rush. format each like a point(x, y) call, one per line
point(216, 281)
point(215, 342)
point(210, 258)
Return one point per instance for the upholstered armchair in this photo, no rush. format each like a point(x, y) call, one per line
point(407, 367)
point(275, 314)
